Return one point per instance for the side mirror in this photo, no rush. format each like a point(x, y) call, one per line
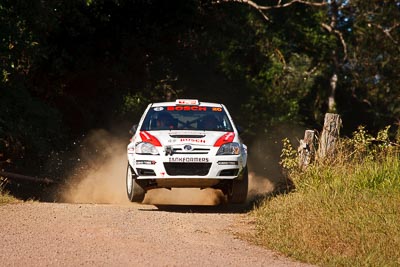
point(132, 131)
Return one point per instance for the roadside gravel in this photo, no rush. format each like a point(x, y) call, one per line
point(58, 234)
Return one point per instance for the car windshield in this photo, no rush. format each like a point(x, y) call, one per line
point(187, 118)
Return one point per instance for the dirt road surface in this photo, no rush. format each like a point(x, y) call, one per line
point(90, 222)
point(60, 234)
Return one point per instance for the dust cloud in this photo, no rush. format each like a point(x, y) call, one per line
point(265, 173)
point(100, 175)
point(259, 186)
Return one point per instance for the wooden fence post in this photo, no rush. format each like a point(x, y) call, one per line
point(329, 136)
point(307, 149)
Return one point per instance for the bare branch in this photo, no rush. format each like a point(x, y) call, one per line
point(340, 36)
point(262, 8)
point(279, 5)
point(388, 30)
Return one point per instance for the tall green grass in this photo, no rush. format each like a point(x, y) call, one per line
point(344, 211)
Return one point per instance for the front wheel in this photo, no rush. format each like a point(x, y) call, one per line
point(237, 191)
point(134, 190)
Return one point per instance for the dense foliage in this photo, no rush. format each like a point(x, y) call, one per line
point(71, 66)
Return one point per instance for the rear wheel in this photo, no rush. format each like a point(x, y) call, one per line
point(134, 189)
point(237, 191)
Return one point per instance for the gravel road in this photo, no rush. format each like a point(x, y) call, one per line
point(60, 234)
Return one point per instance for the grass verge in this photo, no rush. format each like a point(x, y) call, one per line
point(5, 197)
point(345, 212)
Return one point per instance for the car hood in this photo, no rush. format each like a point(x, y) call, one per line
point(206, 138)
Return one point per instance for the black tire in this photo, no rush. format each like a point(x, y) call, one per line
point(134, 189)
point(237, 191)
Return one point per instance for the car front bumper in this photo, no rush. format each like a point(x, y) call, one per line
point(178, 167)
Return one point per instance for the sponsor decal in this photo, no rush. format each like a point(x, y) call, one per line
point(146, 137)
point(187, 108)
point(217, 109)
point(188, 160)
point(158, 109)
point(192, 140)
point(226, 138)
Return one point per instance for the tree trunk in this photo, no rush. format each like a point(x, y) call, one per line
point(307, 149)
point(331, 99)
point(329, 136)
point(21, 177)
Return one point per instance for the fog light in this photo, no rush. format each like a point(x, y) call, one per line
point(145, 162)
point(227, 163)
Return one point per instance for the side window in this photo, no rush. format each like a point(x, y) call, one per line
point(149, 121)
point(226, 123)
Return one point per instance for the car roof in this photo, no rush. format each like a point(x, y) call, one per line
point(206, 104)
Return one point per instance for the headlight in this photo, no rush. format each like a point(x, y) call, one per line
point(146, 148)
point(229, 149)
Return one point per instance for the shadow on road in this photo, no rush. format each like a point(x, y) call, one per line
point(223, 208)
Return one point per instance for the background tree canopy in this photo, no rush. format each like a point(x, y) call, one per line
point(71, 66)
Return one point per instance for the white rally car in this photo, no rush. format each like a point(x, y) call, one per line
point(187, 144)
